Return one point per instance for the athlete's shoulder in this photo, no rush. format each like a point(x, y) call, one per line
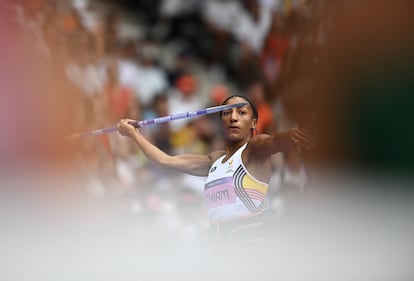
point(257, 144)
point(258, 139)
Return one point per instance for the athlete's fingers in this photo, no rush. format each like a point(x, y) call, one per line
point(305, 142)
point(305, 138)
point(124, 127)
point(306, 134)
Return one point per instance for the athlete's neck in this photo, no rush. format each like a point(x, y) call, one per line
point(232, 147)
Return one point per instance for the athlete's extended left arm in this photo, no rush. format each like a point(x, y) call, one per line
point(301, 139)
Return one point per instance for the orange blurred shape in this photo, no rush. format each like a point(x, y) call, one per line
point(187, 84)
point(70, 23)
point(218, 94)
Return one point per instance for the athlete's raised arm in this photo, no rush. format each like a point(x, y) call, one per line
point(192, 164)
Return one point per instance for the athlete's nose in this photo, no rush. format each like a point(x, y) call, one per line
point(233, 115)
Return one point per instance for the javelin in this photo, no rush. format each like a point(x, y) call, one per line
point(138, 124)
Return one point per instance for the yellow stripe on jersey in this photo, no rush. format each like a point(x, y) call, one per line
point(251, 183)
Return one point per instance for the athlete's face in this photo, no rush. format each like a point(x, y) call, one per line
point(239, 122)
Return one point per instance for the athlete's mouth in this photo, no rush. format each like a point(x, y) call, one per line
point(233, 128)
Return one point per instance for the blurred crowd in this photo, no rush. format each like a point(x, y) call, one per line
point(146, 59)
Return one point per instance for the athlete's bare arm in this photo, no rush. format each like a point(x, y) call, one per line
point(265, 145)
point(192, 164)
point(257, 156)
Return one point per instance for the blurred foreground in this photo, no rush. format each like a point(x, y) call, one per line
point(341, 228)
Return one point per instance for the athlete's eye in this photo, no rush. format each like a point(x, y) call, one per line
point(242, 112)
point(225, 113)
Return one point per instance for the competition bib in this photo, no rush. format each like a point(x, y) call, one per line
point(220, 192)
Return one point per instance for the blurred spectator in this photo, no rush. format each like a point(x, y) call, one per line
point(139, 70)
point(82, 65)
point(218, 94)
point(182, 99)
point(107, 36)
point(219, 17)
point(265, 124)
point(53, 37)
point(252, 26)
point(96, 152)
point(176, 8)
point(251, 29)
point(151, 79)
point(30, 15)
point(128, 65)
point(178, 21)
point(274, 52)
point(160, 134)
point(182, 62)
point(119, 97)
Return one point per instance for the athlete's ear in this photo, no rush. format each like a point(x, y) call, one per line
point(254, 124)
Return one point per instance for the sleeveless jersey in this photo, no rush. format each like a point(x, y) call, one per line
point(230, 191)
